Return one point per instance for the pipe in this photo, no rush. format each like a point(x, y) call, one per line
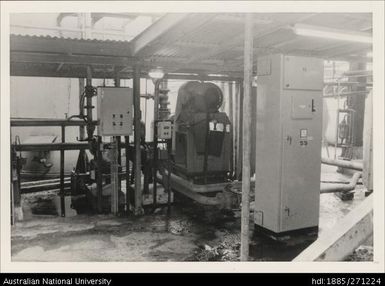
point(155, 135)
point(62, 194)
point(342, 187)
point(189, 190)
point(343, 164)
point(209, 188)
point(138, 209)
point(89, 107)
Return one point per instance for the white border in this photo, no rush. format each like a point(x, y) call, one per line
point(375, 7)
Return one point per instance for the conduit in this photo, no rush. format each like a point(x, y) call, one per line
point(343, 164)
point(342, 187)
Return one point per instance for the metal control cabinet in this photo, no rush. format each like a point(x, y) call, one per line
point(115, 111)
point(288, 143)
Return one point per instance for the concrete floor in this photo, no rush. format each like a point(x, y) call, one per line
point(186, 234)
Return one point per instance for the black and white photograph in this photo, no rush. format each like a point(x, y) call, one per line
point(192, 132)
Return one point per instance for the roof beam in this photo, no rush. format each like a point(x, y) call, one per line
point(235, 41)
point(25, 57)
point(155, 31)
point(98, 16)
point(69, 46)
point(61, 16)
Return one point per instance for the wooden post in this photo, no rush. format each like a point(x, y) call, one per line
point(247, 80)
point(138, 210)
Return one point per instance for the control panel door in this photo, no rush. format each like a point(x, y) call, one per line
point(115, 111)
point(301, 167)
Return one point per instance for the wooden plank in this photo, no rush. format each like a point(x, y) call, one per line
point(337, 243)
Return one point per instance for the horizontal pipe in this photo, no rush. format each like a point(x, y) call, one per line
point(47, 187)
point(343, 164)
point(48, 122)
point(184, 187)
point(342, 187)
point(51, 146)
point(29, 184)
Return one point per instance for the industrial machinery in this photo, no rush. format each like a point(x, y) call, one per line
point(288, 142)
point(202, 138)
point(114, 112)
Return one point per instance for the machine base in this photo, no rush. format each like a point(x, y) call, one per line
point(309, 233)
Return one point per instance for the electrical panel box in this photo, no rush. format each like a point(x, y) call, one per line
point(164, 129)
point(288, 144)
point(115, 111)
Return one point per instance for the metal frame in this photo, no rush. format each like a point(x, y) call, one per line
point(62, 147)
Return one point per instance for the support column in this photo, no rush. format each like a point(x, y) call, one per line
point(246, 126)
point(138, 209)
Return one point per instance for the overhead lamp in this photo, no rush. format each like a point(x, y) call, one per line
point(333, 34)
point(156, 73)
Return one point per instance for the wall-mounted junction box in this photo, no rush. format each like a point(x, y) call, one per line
point(288, 144)
point(115, 111)
point(164, 129)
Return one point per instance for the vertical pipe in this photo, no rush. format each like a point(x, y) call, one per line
point(90, 127)
point(206, 154)
point(62, 195)
point(223, 106)
point(239, 135)
point(127, 174)
point(115, 182)
point(337, 119)
point(99, 175)
point(155, 158)
point(82, 134)
point(114, 177)
point(138, 183)
point(231, 126)
point(236, 126)
point(247, 79)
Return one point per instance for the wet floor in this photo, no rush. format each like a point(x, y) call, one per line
point(188, 232)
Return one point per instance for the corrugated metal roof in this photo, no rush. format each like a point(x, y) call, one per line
point(208, 42)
